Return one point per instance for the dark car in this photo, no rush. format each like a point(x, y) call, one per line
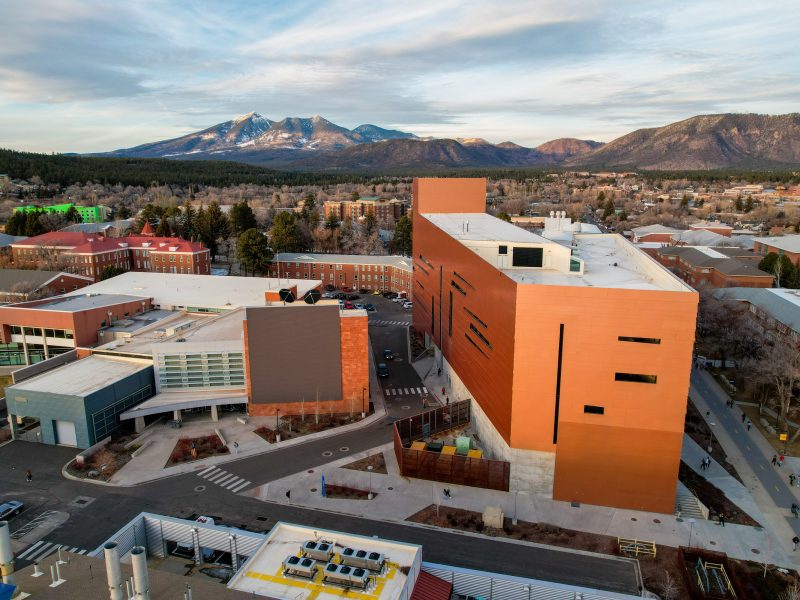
point(388, 354)
point(370, 307)
point(330, 288)
point(341, 296)
point(363, 291)
point(383, 370)
point(388, 294)
point(353, 296)
point(11, 509)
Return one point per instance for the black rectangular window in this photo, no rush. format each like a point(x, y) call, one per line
point(450, 316)
point(639, 340)
point(502, 250)
point(458, 287)
point(594, 410)
point(476, 317)
point(471, 341)
point(527, 257)
point(635, 377)
point(433, 307)
point(482, 338)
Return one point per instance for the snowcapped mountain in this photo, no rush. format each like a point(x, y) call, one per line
point(253, 132)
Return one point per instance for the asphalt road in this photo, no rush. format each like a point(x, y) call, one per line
point(773, 479)
point(97, 512)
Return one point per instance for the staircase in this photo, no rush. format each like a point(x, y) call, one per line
point(687, 506)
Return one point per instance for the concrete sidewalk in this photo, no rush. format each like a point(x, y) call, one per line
point(399, 497)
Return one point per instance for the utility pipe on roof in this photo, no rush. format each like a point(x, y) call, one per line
point(113, 571)
point(141, 581)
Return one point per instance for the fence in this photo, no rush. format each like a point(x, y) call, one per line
point(447, 468)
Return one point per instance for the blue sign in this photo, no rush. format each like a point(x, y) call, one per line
point(6, 591)
point(323, 485)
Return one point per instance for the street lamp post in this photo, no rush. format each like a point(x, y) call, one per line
point(691, 528)
point(710, 436)
point(363, 403)
point(277, 424)
point(514, 520)
point(369, 495)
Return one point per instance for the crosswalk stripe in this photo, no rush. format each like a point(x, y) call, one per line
point(424, 390)
point(405, 390)
point(211, 473)
point(218, 476)
point(44, 555)
point(233, 483)
point(225, 480)
point(82, 551)
point(206, 470)
point(240, 487)
point(31, 549)
point(41, 552)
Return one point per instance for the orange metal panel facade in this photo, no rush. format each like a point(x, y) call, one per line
point(504, 341)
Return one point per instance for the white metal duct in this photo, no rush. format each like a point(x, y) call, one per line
point(155, 541)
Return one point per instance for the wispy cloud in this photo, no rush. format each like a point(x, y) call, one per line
point(88, 75)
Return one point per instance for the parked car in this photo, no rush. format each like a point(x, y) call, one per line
point(360, 306)
point(328, 295)
point(388, 354)
point(363, 291)
point(376, 293)
point(398, 299)
point(389, 295)
point(408, 304)
point(347, 289)
point(10, 509)
point(341, 296)
point(383, 370)
point(348, 306)
point(353, 296)
point(329, 287)
point(370, 307)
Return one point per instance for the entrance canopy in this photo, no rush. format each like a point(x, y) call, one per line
point(185, 400)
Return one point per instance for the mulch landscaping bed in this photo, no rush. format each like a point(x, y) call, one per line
point(697, 428)
point(417, 342)
point(204, 447)
point(113, 456)
point(713, 497)
point(377, 461)
point(295, 426)
point(340, 492)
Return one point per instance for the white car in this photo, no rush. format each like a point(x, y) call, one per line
point(408, 304)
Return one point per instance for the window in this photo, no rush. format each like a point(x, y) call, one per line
point(450, 316)
point(593, 410)
point(458, 287)
point(527, 257)
point(635, 377)
point(476, 317)
point(502, 250)
point(474, 330)
point(471, 341)
point(639, 340)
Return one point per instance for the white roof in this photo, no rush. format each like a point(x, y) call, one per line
point(482, 227)
point(702, 237)
point(789, 243)
point(203, 291)
point(83, 377)
point(656, 228)
point(710, 224)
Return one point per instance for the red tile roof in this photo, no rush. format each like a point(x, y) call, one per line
point(430, 587)
point(83, 243)
point(147, 229)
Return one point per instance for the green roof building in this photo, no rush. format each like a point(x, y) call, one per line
point(89, 214)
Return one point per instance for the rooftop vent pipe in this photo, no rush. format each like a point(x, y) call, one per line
point(7, 557)
point(113, 571)
point(141, 582)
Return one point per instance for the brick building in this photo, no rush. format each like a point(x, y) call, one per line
point(88, 254)
point(358, 271)
point(700, 266)
point(17, 285)
point(788, 245)
point(385, 211)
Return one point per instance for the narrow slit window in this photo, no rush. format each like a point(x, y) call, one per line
point(477, 318)
point(481, 337)
point(458, 287)
point(635, 377)
point(594, 410)
point(639, 340)
point(471, 341)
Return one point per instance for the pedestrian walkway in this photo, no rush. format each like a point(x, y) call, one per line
point(418, 391)
point(42, 549)
point(386, 323)
point(224, 479)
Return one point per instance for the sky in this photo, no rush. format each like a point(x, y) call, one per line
point(97, 75)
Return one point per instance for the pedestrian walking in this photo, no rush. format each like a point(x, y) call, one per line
point(795, 542)
point(794, 509)
point(774, 459)
point(708, 462)
point(744, 416)
point(722, 519)
point(235, 448)
point(780, 460)
point(703, 465)
point(791, 479)
point(749, 424)
point(28, 475)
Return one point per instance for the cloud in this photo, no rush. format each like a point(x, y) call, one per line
point(87, 75)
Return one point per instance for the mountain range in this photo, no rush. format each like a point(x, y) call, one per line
point(701, 142)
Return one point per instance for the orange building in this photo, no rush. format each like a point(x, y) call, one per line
point(384, 211)
point(576, 357)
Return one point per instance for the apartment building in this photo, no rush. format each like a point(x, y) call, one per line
point(88, 254)
point(358, 271)
point(576, 358)
point(385, 211)
point(88, 214)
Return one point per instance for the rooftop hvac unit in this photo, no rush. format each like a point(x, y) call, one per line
point(318, 550)
point(345, 575)
point(373, 561)
point(301, 567)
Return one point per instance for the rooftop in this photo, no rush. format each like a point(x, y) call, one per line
point(82, 377)
point(788, 243)
point(262, 575)
point(781, 304)
point(481, 227)
point(82, 300)
point(656, 228)
point(345, 259)
point(28, 280)
point(175, 291)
